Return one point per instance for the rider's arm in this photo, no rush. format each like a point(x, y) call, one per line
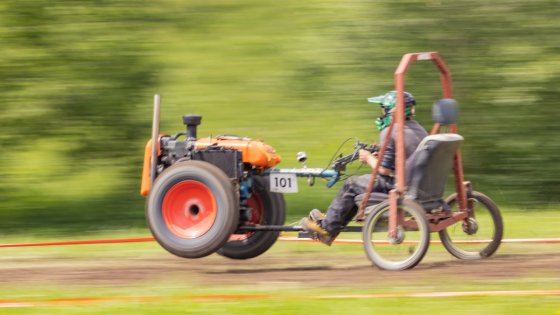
point(371, 160)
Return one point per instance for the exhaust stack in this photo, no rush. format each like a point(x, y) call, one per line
point(191, 121)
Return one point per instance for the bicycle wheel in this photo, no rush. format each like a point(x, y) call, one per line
point(404, 251)
point(480, 235)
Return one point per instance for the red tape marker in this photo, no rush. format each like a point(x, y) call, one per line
point(286, 239)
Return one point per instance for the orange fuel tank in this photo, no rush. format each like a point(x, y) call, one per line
point(254, 152)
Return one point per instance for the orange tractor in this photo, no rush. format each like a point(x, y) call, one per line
point(223, 194)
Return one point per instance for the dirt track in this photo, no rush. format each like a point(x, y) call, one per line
point(306, 268)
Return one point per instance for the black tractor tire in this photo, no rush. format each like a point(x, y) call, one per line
point(192, 209)
point(268, 208)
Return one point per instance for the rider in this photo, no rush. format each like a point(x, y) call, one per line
point(343, 208)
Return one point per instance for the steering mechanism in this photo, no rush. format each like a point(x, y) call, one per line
point(339, 165)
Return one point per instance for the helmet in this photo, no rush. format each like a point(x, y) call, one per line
point(388, 102)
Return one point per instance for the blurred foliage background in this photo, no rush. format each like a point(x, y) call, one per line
point(77, 80)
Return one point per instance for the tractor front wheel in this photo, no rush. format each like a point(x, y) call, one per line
point(192, 209)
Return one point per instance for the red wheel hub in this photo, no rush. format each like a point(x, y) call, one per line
point(257, 215)
point(189, 209)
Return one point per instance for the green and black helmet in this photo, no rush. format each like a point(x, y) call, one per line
point(388, 102)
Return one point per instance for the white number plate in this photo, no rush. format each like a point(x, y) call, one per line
point(283, 183)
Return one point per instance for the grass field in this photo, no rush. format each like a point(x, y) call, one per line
point(295, 278)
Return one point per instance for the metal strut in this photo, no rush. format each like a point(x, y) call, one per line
point(286, 228)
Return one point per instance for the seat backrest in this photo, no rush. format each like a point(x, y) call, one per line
point(428, 167)
point(445, 111)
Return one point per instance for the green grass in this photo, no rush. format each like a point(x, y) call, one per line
point(291, 304)
point(180, 297)
point(279, 297)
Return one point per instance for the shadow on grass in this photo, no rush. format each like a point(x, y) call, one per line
point(264, 270)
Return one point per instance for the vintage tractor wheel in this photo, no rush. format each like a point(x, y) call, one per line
point(268, 208)
point(409, 246)
point(192, 209)
point(480, 235)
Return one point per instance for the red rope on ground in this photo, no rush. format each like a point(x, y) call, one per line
point(383, 242)
point(285, 239)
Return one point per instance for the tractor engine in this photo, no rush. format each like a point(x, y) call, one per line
point(235, 156)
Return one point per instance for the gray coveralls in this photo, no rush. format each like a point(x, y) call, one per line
point(343, 208)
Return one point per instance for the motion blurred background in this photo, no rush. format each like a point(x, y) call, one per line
point(77, 80)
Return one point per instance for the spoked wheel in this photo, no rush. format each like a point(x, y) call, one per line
point(409, 246)
point(478, 236)
point(266, 208)
point(192, 209)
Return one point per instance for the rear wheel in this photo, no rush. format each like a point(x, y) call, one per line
point(478, 236)
point(409, 246)
point(267, 208)
point(192, 209)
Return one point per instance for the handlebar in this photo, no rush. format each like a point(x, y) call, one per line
point(339, 165)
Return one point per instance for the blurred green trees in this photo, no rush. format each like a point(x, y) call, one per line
point(72, 75)
point(77, 80)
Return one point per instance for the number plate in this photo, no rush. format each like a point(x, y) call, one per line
point(283, 183)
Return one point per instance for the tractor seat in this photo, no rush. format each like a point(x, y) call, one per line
point(427, 170)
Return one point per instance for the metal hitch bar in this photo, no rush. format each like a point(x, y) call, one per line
point(286, 228)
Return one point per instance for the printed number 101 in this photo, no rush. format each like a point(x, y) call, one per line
point(284, 183)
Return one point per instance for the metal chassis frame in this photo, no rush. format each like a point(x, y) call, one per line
point(437, 222)
point(400, 181)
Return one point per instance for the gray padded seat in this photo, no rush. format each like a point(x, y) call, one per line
point(429, 166)
point(427, 170)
